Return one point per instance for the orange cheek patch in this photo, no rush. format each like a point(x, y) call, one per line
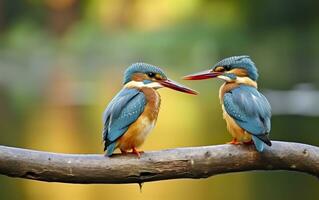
point(239, 72)
point(158, 77)
point(139, 77)
point(219, 69)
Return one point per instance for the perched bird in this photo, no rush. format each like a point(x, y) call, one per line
point(246, 111)
point(132, 113)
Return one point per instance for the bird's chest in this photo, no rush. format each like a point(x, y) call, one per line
point(149, 116)
point(234, 129)
point(144, 128)
point(226, 87)
point(138, 131)
point(152, 106)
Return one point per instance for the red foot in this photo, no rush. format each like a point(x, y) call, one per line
point(123, 151)
point(138, 153)
point(249, 143)
point(234, 141)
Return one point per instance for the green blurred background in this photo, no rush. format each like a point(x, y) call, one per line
point(61, 61)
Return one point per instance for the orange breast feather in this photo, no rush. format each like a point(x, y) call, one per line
point(137, 132)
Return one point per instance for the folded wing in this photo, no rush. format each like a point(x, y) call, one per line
point(123, 110)
point(251, 111)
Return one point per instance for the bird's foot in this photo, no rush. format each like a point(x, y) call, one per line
point(234, 141)
point(123, 151)
point(249, 142)
point(138, 153)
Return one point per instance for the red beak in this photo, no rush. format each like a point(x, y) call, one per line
point(177, 86)
point(202, 75)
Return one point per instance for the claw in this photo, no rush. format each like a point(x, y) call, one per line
point(249, 142)
point(234, 141)
point(123, 152)
point(138, 153)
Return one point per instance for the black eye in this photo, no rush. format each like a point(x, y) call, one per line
point(227, 67)
point(151, 74)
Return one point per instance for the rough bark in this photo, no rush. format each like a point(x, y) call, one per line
point(194, 162)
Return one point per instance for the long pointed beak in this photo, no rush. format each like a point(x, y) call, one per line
point(202, 75)
point(177, 86)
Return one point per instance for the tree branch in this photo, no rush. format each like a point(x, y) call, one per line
point(195, 162)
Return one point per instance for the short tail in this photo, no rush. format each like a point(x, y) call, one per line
point(259, 141)
point(258, 144)
point(110, 149)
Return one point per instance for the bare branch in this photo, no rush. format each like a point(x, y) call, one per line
point(194, 162)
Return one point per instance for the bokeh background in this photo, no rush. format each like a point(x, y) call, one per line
point(61, 61)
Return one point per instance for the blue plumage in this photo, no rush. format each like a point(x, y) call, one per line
point(123, 110)
point(142, 68)
point(259, 144)
point(243, 62)
point(251, 111)
point(132, 113)
point(246, 111)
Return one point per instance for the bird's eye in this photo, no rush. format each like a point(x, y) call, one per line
point(151, 74)
point(227, 67)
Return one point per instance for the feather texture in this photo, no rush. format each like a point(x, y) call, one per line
point(250, 110)
point(240, 62)
point(123, 110)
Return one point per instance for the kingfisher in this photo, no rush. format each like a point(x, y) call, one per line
point(132, 113)
point(246, 111)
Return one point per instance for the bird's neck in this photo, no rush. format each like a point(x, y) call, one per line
point(246, 81)
point(228, 86)
point(153, 100)
point(141, 84)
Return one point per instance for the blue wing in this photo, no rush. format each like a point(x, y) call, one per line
point(122, 111)
point(251, 111)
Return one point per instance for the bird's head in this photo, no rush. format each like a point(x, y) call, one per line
point(232, 69)
point(140, 75)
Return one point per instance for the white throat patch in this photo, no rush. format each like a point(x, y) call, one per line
point(239, 80)
point(225, 78)
point(140, 84)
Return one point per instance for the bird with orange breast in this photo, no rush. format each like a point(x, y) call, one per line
point(132, 113)
point(246, 111)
